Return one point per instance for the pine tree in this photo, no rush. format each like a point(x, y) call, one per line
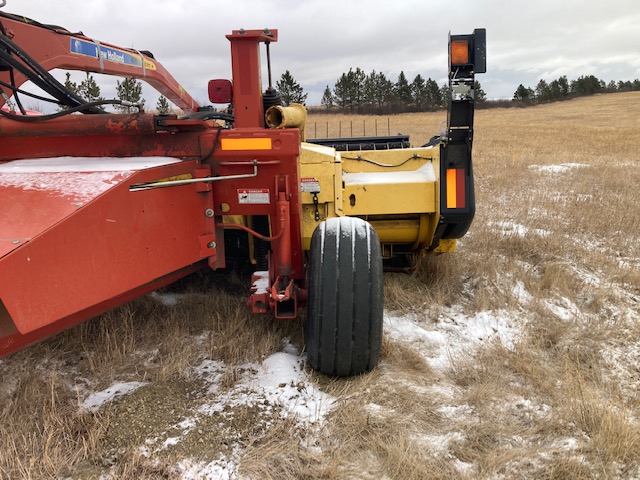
point(358, 86)
point(479, 94)
point(444, 96)
point(163, 105)
point(434, 96)
point(327, 98)
point(89, 89)
point(403, 91)
point(419, 93)
point(341, 92)
point(377, 90)
point(542, 91)
point(72, 87)
point(564, 86)
point(129, 90)
point(69, 85)
point(524, 93)
point(290, 90)
point(349, 90)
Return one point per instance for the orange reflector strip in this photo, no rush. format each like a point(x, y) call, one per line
point(455, 188)
point(245, 144)
point(459, 52)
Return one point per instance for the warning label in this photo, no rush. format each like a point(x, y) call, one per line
point(254, 196)
point(310, 185)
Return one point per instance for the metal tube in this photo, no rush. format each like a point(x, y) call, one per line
point(174, 183)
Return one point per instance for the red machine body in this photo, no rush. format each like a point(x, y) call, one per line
point(98, 209)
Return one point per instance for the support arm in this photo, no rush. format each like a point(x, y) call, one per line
point(56, 47)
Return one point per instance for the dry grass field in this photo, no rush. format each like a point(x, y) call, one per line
point(516, 357)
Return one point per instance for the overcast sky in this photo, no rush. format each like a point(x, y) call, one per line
point(321, 39)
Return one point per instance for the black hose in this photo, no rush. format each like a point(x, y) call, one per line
point(54, 88)
point(15, 95)
point(79, 108)
point(15, 89)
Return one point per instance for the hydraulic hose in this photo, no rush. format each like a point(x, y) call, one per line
point(38, 75)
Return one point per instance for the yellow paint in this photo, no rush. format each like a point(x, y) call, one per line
point(149, 65)
point(401, 214)
point(362, 199)
point(293, 116)
point(246, 144)
point(184, 176)
point(397, 231)
point(446, 246)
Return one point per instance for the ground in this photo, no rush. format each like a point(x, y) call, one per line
point(516, 357)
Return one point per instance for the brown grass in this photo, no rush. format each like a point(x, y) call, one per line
point(559, 402)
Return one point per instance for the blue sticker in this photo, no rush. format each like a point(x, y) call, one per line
point(90, 49)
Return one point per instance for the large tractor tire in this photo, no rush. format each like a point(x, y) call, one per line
point(343, 331)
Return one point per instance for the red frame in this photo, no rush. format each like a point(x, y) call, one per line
point(74, 260)
point(51, 48)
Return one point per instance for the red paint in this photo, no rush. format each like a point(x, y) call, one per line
point(460, 188)
point(75, 258)
point(52, 50)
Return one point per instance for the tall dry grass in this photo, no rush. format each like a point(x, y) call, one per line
point(560, 401)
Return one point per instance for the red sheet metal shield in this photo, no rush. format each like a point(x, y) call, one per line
point(74, 240)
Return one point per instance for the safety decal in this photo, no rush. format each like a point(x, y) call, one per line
point(254, 196)
point(310, 185)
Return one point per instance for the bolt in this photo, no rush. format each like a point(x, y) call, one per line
point(211, 244)
point(209, 212)
point(15, 242)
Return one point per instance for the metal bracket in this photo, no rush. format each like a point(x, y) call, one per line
point(315, 204)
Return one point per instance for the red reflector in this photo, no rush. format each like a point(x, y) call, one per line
point(455, 188)
point(220, 91)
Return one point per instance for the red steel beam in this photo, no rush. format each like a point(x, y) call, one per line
point(58, 48)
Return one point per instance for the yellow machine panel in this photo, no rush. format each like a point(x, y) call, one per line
point(395, 190)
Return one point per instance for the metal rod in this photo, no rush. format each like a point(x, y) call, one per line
point(269, 64)
point(175, 183)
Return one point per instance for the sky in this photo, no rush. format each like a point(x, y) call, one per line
point(319, 40)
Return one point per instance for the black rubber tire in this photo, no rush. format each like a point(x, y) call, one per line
point(343, 330)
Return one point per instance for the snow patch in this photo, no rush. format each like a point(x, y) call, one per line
point(222, 469)
point(512, 229)
point(167, 299)
point(212, 372)
point(454, 333)
point(84, 164)
point(280, 381)
point(78, 186)
point(561, 168)
point(80, 178)
point(520, 292)
point(424, 174)
point(260, 284)
point(95, 400)
point(563, 308)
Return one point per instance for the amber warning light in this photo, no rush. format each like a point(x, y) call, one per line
point(459, 52)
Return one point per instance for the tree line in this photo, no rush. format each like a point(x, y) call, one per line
point(561, 88)
point(357, 92)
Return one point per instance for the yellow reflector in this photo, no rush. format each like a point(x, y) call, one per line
point(459, 52)
point(246, 144)
point(451, 187)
